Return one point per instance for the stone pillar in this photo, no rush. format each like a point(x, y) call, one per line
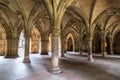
point(111, 46)
point(76, 49)
point(103, 46)
point(80, 47)
point(15, 46)
point(90, 56)
point(11, 48)
point(62, 48)
point(44, 47)
point(27, 50)
point(65, 47)
point(55, 56)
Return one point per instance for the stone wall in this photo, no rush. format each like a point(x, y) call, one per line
point(2, 47)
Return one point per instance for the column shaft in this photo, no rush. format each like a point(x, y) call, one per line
point(103, 47)
point(55, 55)
point(44, 47)
point(80, 47)
point(62, 48)
point(76, 46)
point(111, 46)
point(11, 48)
point(27, 50)
point(90, 56)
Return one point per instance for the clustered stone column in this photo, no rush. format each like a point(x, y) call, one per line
point(44, 47)
point(65, 47)
point(111, 45)
point(76, 49)
point(62, 48)
point(103, 46)
point(11, 47)
point(80, 47)
point(90, 56)
point(55, 56)
point(27, 49)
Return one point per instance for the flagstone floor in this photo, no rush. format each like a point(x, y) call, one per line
point(74, 66)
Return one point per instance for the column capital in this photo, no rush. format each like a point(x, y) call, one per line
point(90, 38)
point(26, 60)
point(27, 34)
point(56, 32)
point(111, 38)
point(90, 58)
point(104, 37)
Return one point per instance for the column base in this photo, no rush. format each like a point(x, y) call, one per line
point(11, 56)
point(62, 55)
point(55, 70)
point(80, 53)
point(111, 53)
point(2, 53)
point(90, 58)
point(26, 60)
point(104, 54)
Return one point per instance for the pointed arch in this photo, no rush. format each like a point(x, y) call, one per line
point(70, 42)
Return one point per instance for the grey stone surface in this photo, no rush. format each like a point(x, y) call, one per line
point(74, 66)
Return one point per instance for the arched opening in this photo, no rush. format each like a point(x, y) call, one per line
point(2, 41)
point(21, 44)
point(35, 41)
point(50, 44)
point(69, 45)
point(70, 42)
point(97, 43)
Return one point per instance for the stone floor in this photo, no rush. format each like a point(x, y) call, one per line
point(74, 66)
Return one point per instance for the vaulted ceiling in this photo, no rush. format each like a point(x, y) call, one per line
point(102, 13)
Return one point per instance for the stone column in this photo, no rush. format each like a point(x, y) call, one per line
point(11, 48)
point(90, 56)
point(80, 47)
point(111, 45)
point(55, 56)
point(65, 47)
point(15, 46)
point(27, 50)
point(103, 46)
point(62, 48)
point(76, 46)
point(44, 47)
